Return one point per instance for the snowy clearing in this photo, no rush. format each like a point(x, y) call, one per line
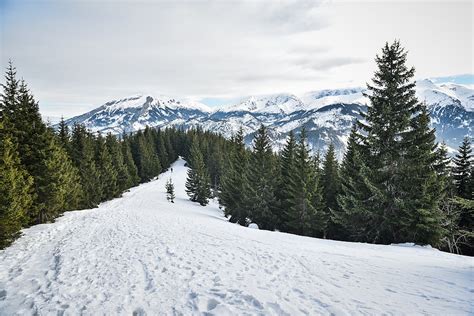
point(142, 255)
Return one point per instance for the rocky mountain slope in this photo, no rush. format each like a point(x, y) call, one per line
point(327, 115)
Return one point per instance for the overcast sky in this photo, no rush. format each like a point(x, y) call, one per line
point(76, 55)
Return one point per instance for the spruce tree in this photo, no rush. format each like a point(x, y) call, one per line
point(331, 187)
point(390, 125)
point(118, 163)
point(261, 177)
point(132, 172)
point(83, 156)
point(462, 170)
point(287, 168)
point(198, 182)
point(170, 191)
point(304, 197)
point(64, 135)
point(145, 157)
point(15, 190)
point(420, 219)
point(107, 172)
point(235, 186)
point(353, 213)
point(59, 188)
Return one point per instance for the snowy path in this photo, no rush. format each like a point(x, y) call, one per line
point(142, 255)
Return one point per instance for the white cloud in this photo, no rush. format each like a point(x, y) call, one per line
point(87, 52)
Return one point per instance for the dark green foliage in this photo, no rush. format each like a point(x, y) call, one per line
point(198, 185)
point(107, 173)
point(422, 186)
point(462, 170)
point(287, 168)
point(305, 206)
point(59, 188)
point(261, 180)
point(331, 189)
point(15, 190)
point(352, 213)
point(398, 149)
point(170, 191)
point(234, 183)
point(83, 156)
point(144, 155)
point(132, 178)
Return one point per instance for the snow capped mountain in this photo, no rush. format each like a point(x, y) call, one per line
point(318, 99)
point(327, 115)
point(136, 112)
point(276, 103)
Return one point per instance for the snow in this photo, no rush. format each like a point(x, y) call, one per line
point(272, 103)
point(141, 254)
point(253, 226)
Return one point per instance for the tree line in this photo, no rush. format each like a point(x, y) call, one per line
point(45, 171)
point(395, 184)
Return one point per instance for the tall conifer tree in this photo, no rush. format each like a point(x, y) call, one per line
point(261, 177)
point(235, 187)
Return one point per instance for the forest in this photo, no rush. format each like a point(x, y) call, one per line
point(395, 183)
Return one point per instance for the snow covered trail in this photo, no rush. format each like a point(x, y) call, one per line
point(141, 255)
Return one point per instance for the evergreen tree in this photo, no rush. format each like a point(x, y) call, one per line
point(132, 172)
point(331, 188)
point(59, 188)
point(83, 156)
point(118, 164)
point(234, 184)
point(63, 134)
point(198, 183)
point(161, 150)
point(462, 170)
point(170, 190)
point(9, 97)
point(353, 213)
point(107, 172)
point(15, 189)
point(420, 217)
point(305, 212)
point(287, 169)
point(261, 177)
point(393, 124)
point(145, 158)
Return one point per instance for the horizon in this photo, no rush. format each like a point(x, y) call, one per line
point(82, 54)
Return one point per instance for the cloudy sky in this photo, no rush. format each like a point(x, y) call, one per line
point(76, 55)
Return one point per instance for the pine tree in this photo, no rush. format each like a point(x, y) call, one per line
point(118, 164)
point(170, 190)
point(261, 177)
point(63, 134)
point(161, 150)
point(420, 217)
point(353, 212)
point(15, 189)
point(107, 172)
point(9, 97)
point(331, 188)
point(235, 187)
point(59, 189)
point(390, 125)
point(132, 172)
point(198, 182)
point(462, 170)
point(287, 169)
point(83, 157)
point(305, 212)
point(145, 157)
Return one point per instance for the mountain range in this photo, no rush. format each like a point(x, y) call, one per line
point(327, 115)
